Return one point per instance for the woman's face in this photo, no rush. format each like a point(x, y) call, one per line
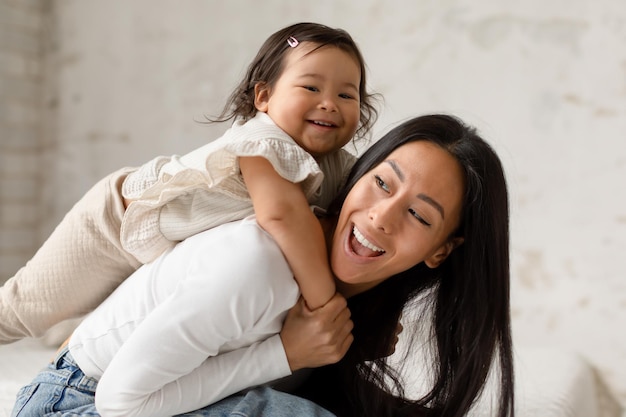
point(397, 215)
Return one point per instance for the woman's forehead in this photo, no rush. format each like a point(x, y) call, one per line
point(420, 156)
point(428, 169)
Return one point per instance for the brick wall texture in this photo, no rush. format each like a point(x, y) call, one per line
point(20, 131)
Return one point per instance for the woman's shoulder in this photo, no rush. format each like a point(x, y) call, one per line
point(236, 250)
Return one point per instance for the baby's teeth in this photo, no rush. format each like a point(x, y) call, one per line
point(361, 239)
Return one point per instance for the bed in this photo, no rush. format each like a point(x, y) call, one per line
point(553, 382)
point(19, 363)
point(550, 382)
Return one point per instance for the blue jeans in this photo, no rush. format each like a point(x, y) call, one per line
point(61, 386)
point(261, 402)
point(62, 390)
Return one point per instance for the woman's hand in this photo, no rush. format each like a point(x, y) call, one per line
point(316, 338)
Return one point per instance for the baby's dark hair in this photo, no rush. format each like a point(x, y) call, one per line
point(267, 67)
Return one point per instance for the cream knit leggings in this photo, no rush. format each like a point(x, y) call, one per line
point(79, 265)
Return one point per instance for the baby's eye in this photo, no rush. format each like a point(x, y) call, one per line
point(381, 183)
point(311, 88)
point(346, 96)
point(418, 217)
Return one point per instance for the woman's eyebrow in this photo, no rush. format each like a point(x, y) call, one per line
point(395, 168)
point(422, 197)
point(432, 202)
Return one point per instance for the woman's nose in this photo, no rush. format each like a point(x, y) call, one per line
point(384, 215)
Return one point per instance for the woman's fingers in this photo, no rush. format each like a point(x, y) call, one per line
point(319, 337)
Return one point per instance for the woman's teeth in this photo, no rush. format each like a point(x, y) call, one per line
point(361, 239)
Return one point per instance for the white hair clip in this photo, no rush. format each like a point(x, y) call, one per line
point(293, 42)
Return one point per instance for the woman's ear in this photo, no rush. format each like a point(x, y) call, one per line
point(261, 96)
point(443, 251)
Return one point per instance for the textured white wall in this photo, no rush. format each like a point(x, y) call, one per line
point(545, 82)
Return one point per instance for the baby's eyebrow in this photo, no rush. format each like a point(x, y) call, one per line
point(423, 197)
point(310, 75)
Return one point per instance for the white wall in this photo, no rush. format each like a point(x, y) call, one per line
point(545, 82)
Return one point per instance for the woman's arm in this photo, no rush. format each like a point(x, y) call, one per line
point(308, 339)
point(282, 210)
point(214, 378)
point(214, 293)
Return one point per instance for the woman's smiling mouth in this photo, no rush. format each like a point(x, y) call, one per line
point(361, 246)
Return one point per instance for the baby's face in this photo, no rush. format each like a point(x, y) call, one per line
point(316, 99)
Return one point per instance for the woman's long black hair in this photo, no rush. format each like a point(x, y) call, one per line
point(468, 296)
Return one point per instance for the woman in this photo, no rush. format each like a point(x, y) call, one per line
point(424, 210)
point(469, 292)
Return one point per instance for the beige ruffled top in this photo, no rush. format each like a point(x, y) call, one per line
point(179, 196)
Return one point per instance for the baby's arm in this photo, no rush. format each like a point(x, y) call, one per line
point(282, 210)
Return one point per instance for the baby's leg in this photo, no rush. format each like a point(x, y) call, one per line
point(79, 265)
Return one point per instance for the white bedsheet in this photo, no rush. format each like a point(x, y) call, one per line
point(550, 382)
point(19, 363)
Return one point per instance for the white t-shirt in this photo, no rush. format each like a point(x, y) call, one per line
point(169, 339)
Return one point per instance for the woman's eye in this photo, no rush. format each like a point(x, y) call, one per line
point(418, 217)
point(382, 184)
